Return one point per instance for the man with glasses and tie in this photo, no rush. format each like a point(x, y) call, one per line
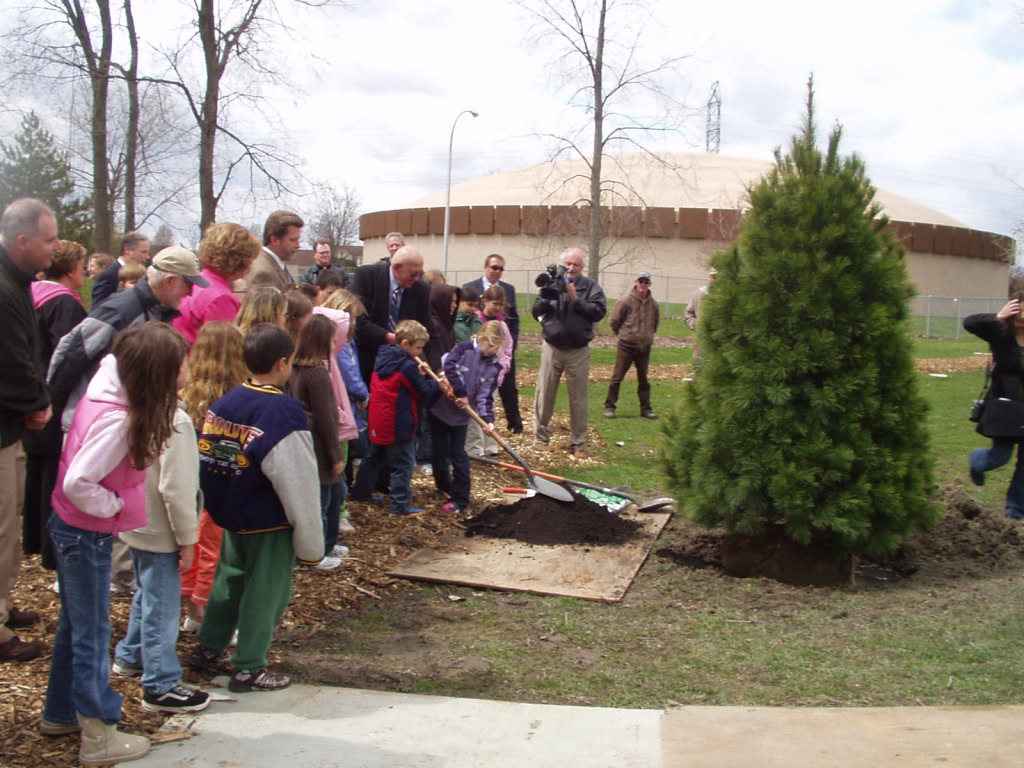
point(494, 270)
point(392, 291)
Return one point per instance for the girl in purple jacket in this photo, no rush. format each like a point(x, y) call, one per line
point(472, 368)
point(119, 428)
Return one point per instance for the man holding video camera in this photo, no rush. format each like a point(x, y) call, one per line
point(567, 307)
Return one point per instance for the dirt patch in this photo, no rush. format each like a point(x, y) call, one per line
point(541, 520)
point(969, 541)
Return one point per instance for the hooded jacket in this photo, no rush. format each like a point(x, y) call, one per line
point(472, 376)
point(78, 353)
point(97, 488)
point(635, 320)
point(396, 389)
point(441, 312)
point(173, 498)
point(59, 310)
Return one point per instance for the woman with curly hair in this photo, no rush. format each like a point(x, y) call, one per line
point(225, 253)
point(59, 308)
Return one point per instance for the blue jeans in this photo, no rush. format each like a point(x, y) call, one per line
point(402, 458)
point(80, 667)
point(331, 499)
point(153, 624)
point(450, 461)
point(985, 459)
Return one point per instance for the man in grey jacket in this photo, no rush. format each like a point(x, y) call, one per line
point(567, 321)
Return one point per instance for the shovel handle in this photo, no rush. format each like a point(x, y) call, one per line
point(473, 414)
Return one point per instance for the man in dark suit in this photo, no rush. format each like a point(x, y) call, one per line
point(134, 247)
point(392, 291)
point(494, 269)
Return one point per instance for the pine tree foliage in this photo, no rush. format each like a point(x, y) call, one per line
point(33, 166)
point(804, 409)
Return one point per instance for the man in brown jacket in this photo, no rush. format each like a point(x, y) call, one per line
point(634, 320)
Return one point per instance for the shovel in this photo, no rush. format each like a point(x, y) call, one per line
point(539, 484)
point(649, 506)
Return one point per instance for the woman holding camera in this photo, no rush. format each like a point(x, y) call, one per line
point(1004, 332)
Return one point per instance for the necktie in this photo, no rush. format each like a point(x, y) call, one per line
point(396, 300)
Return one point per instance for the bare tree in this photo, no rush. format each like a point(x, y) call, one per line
point(336, 217)
point(600, 59)
point(237, 35)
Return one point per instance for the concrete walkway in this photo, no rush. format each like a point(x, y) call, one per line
point(313, 727)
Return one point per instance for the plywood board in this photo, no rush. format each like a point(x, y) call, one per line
point(591, 572)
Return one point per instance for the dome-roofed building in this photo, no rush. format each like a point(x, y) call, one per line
point(668, 213)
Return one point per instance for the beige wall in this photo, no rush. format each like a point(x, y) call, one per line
point(678, 266)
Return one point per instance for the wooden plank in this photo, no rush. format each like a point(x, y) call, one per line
point(591, 572)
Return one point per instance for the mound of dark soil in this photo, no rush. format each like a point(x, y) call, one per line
point(540, 520)
point(969, 541)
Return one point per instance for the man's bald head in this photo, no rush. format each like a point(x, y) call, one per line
point(407, 265)
point(572, 260)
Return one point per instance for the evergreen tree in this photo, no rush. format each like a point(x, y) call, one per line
point(804, 409)
point(32, 166)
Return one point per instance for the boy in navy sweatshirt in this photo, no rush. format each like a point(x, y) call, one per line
point(397, 389)
point(256, 458)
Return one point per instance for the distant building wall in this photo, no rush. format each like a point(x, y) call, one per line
point(941, 260)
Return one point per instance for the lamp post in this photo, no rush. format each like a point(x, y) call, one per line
point(448, 192)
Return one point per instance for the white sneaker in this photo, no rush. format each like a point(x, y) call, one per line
point(340, 551)
point(327, 564)
point(191, 625)
point(234, 640)
point(425, 469)
point(345, 526)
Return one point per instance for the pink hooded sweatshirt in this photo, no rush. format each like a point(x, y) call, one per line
point(97, 489)
point(348, 429)
point(44, 290)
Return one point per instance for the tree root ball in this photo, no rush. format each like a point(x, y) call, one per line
point(775, 556)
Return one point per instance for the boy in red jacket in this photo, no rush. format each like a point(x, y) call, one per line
point(397, 389)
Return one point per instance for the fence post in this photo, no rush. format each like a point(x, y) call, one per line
point(959, 316)
point(928, 320)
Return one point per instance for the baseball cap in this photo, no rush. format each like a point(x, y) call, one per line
point(181, 262)
point(643, 276)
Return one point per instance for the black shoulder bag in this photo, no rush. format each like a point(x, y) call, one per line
point(1000, 417)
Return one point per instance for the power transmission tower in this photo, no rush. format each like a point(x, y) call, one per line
point(714, 131)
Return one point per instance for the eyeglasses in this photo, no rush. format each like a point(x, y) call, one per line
point(497, 268)
point(416, 274)
point(648, 282)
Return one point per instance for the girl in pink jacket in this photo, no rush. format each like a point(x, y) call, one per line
point(119, 428)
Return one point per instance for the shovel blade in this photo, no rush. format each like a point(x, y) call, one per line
point(551, 489)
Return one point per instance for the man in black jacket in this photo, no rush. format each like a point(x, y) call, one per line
point(28, 237)
point(392, 291)
point(134, 248)
point(567, 323)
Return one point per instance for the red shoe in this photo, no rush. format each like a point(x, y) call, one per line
point(19, 619)
point(16, 649)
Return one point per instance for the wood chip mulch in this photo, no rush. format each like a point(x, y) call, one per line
point(318, 598)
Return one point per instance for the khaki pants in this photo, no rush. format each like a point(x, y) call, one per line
point(576, 365)
point(12, 497)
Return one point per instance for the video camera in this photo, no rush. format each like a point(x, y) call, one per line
point(551, 281)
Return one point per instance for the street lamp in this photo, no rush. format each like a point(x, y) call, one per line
point(448, 192)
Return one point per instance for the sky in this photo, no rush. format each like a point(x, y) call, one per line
point(930, 93)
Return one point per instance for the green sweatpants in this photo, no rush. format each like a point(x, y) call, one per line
point(250, 592)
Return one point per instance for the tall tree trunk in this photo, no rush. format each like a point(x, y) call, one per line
point(594, 257)
point(99, 78)
point(132, 139)
point(208, 199)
